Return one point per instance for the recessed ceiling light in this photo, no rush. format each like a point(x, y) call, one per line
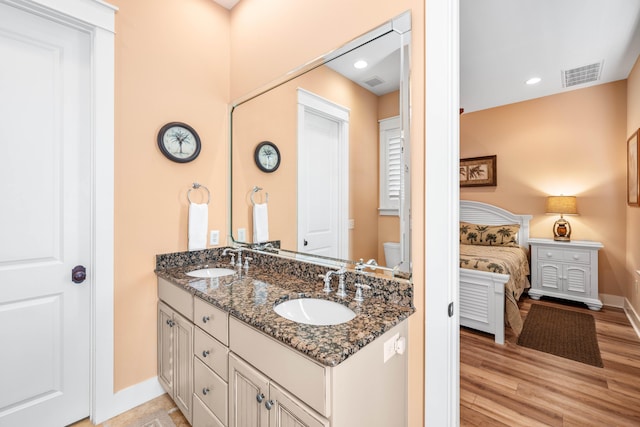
point(360, 64)
point(533, 80)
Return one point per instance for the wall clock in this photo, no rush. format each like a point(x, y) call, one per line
point(267, 156)
point(179, 142)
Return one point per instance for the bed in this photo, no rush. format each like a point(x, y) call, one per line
point(483, 300)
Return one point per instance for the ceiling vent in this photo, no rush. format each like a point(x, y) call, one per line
point(581, 75)
point(374, 81)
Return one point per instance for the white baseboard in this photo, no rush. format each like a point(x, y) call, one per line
point(632, 315)
point(612, 300)
point(131, 397)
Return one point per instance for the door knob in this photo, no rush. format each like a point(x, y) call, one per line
point(78, 274)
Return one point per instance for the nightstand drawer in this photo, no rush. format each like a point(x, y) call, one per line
point(571, 255)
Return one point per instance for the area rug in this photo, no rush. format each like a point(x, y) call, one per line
point(158, 418)
point(564, 333)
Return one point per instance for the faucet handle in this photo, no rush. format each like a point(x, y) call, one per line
point(359, 297)
point(233, 259)
point(327, 281)
point(246, 262)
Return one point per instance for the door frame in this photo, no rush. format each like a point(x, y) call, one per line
point(96, 18)
point(310, 101)
point(442, 154)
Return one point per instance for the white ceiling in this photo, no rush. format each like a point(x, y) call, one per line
point(505, 42)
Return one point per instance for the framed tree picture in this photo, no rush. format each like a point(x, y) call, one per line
point(478, 172)
point(633, 188)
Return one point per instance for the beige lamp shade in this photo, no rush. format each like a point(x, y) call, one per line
point(562, 204)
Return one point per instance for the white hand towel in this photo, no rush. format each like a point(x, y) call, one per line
point(260, 223)
point(198, 223)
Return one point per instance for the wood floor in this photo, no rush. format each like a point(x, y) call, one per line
point(515, 386)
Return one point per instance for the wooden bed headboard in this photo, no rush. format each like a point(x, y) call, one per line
point(483, 213)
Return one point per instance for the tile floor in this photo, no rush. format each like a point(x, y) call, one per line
point(128, 418)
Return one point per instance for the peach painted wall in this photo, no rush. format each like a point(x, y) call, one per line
point(388, 225)
point(273, 116)
point(172, 64)
point(270, 38)
point(633, 213)
point(572, 144)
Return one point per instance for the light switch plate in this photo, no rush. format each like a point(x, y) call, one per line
point(214, 237)
point(242, 235)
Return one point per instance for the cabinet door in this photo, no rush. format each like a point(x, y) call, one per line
point(549, 276)
point(287, 411)
point(165, 348)
point(577, 280)
point(248, 392)
point(183, 364)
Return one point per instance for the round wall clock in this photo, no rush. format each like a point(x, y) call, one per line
point(179, 142)
point(267, 156)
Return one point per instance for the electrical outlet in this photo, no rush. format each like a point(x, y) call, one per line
point(214, 237)
point(390, 347)
point(352, 224)
point(242, 235)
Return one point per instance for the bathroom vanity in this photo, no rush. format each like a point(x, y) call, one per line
point(228, 359)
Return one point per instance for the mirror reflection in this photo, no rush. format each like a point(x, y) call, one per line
point(339, 135)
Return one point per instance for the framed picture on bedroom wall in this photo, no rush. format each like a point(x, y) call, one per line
point(633, 187)
point(479, 172)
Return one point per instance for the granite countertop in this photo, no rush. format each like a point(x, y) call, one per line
point(249, 295)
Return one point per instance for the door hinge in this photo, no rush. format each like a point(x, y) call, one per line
point(450, 309)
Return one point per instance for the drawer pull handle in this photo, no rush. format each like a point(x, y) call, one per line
point(269, 404)
point(576, 257)
point(205, 353)
point(171, 323)
point(205, 319)
point(205, 391)
point(549, 254)
point(260, 397)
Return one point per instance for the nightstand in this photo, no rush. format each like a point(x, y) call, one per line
point(567, 270)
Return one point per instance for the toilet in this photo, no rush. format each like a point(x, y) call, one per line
point(391, 253)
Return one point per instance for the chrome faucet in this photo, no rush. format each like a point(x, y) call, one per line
point(238, 251)
point(327, 281)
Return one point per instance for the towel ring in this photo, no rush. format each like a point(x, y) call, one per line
point(255, 190)
point(195, 187)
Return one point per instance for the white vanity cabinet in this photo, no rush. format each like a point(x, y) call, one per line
point(222, 372)
point(364, 390)
point(256, 401)
point(567, 270)
point(175, 345)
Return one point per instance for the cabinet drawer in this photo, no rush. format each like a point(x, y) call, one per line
point(550, 254)
point(300, 375)
point(179, 299)
point(572, 255)
point(566, 255)
point(202, 416)
point(212, 320)
point(210, 389)
point(212, 353)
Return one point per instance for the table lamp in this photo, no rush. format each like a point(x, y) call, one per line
point(564, 205)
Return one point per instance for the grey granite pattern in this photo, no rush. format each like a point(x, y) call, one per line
point(249, 295)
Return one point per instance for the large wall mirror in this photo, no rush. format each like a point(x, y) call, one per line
point(341, 190)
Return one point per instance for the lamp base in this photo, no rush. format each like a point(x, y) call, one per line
point(562, 230)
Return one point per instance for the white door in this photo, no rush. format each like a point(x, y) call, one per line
point(44, 221)
point(323, 178)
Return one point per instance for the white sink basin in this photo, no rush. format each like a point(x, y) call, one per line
point(312, 311)
point(211, 272)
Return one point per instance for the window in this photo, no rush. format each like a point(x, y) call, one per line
point(390, 165)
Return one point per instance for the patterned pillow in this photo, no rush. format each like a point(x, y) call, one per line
point(489, 235)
